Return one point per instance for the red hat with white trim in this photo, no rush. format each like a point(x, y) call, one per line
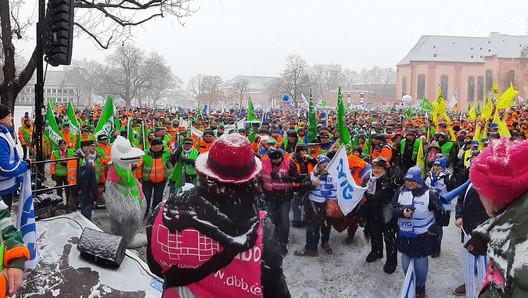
point(230, 160)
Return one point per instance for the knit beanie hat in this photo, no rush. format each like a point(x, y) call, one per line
point(500, 172)
point(4, 111)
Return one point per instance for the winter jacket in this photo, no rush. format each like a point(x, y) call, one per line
point(506, 235)
point(11, 167)
point(420, 244)
point(292, 176)
point(216, 218)
point(470, 209)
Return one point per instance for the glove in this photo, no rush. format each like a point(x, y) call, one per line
point(28, 161)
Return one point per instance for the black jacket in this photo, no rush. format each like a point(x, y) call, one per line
point(226, 218)
point(470, 209)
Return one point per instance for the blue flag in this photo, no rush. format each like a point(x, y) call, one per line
point(206, 111)
point(26, 220)
point(241, 114)
point(181, 111)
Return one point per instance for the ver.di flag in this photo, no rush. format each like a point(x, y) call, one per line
point(52, 130)
point(26, 220)
point(348, 192)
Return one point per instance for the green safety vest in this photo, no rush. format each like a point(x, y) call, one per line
point(416, 147)
point(27, 135)
point(190, 169)
point(147, 164)
point(127, 185)
point(98, 165)
point(61, 170)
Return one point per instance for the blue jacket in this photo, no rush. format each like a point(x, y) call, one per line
point(7, 169)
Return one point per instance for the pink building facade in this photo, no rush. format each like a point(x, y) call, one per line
point(468, 65)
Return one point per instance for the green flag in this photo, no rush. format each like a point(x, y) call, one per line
point(106, 122)
point(426, 106)
point(344, 134)
point(312, 121)
point(130, 132)
point(323, 102)
point(52, 131)
point(251, 116)
point(72, 120)
point(368, 143)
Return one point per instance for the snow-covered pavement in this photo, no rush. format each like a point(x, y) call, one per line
point(346, 274)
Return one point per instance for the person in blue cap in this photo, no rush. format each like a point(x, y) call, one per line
point(470, 154)
point(321, 187)
point(493, 127)
point(440, 180)
point(419, 213)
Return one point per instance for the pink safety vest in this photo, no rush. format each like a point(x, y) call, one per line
point(270, 184)
point(190, 249)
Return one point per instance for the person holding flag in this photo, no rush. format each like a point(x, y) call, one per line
point(11, 170)
point(25, 134)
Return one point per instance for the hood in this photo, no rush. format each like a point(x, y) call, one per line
point(124, 153)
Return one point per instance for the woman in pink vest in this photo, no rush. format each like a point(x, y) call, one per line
point(211, 241)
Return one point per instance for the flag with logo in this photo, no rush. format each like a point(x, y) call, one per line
point(420, 161)
point(72, 120)
point(106, 122)
point(349, 194)
point(26, 220)
point(409, 284)
point(496, 96)
point(426, 106)
point(52, 131)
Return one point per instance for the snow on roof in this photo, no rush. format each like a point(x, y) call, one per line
point(465, 49)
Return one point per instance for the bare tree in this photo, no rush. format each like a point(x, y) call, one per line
point(195, 87)
point(241, 86)
point(207, 89)
point(85, 76)
point(296, 77)
point(106, 22)
point(160, 80)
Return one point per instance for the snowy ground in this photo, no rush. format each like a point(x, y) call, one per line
point(346, 274)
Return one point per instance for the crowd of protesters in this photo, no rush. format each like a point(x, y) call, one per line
point(406, 163)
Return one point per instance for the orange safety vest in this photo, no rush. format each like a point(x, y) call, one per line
point(204, 146)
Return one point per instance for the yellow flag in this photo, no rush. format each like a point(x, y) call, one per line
point(439, 108)
point(477, 136)
point(503, 128)
point(473, 113)
point(420, 158)
point(484, 136)
point(487, 109)
point(506, 100)
point(495, 91)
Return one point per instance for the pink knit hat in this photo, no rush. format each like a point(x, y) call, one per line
point(500, 172)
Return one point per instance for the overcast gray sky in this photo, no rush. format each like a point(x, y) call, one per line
point(253, 37)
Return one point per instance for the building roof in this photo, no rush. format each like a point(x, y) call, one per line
point(255, 83)
point(435, 48)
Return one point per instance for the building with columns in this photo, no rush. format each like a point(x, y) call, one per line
point(468, 65)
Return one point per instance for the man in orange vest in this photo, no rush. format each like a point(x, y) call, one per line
point(69, 137)
point(25, 133)
point(207, 141)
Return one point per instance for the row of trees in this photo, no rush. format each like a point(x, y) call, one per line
point(105, 22)
point(129, 74)
point(298, 77)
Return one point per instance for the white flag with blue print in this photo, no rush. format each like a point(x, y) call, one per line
point(26, 220)
point(349, 194)
point(409, 284)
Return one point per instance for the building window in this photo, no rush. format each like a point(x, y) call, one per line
point(489, 82)
point(480, 88)
point(510, 78)
point(404, 86)
point(421, 87)
point(443, 85)
point(471, 89)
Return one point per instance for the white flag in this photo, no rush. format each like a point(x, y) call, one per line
point(454, 100)
point(348, 192)
point(26, 220)
point(196, 132)
point(304, 99)
point(183, 122)
point(409, 284)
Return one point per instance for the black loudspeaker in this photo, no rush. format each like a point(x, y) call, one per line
point(104, 249)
